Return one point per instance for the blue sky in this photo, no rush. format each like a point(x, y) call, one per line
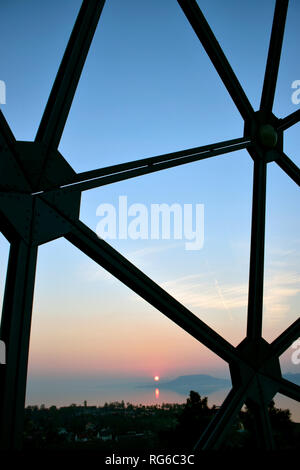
point(149, 88)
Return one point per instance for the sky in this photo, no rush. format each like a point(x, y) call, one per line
point(148, 88)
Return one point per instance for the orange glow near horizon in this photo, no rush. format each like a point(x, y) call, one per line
point(156, 378)
point(156, 393)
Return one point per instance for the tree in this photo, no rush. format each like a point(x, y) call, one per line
point(193, 419)
point(284, 430)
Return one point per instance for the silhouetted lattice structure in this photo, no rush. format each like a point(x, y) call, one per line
point(40, 201)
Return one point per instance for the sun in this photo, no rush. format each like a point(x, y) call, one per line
point(156, 378)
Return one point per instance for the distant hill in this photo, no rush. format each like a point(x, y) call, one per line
point(200, 383)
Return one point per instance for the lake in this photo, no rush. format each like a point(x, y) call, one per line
point(65, 391)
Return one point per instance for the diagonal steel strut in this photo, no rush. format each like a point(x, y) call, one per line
point(217, 56)
point(271, 72)
point(59, 103)
point(289, 167)
point(289, 120)
point(103, 254)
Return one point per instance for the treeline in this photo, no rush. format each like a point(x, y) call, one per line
point(124, 426)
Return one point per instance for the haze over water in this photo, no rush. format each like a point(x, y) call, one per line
point(66, 391)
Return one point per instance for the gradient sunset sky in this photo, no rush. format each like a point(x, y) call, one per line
point(148, 88)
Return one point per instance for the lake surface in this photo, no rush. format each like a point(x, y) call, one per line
point(64, 392)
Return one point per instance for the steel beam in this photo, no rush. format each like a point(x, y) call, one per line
point(167, 157)
point(264, 433)
point(146, 167)
point(284, 341)
point(290, 168)
point(103, 254)
point(64, 87)
point(217, 56)
point(262, 425)
point(289, 389)
point(264, 428)
point(12, 171)
point(289, 120)
point(256, 275)
point(271, 72)
point(217, 430)
point(6, 136)
point(15, 332)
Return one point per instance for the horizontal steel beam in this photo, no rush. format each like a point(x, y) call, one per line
point(195, 151)
point(112, 174)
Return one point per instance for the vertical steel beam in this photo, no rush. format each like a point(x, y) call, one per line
point(266, 440)
point(256, 276)
point(15, 332)
point(263, 429)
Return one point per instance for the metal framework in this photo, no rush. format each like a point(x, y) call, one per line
point(40, 201)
